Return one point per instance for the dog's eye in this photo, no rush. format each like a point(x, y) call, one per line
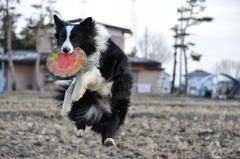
point(73, 38)
point(62, 38)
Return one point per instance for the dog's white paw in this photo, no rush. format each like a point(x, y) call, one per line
point(64, 113)
point(109, 142)
point(80, 133)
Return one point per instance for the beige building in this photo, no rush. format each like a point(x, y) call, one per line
point(145, 72)
point(145, 75)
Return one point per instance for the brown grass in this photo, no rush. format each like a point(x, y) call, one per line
point(156, 127)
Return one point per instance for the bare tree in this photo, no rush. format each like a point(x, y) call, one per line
point(155, 47)
point(45, 10)
point(229, 67)
point(8, 21)
point(237, 73)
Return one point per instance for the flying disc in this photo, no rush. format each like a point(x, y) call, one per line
point(65, 66)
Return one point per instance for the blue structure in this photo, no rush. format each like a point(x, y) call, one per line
point(235, 86)
point(232, 92)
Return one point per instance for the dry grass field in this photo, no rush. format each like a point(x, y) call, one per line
point(156, 128)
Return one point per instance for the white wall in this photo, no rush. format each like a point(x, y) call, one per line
point(194, 85)
point(164, 83)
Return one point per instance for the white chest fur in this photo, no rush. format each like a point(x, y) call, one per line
point(92, 80)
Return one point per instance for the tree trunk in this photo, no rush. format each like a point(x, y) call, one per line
point(186, 71)
point(37, 84)
point(9, 48)
point(174, 67)
point(185, 59)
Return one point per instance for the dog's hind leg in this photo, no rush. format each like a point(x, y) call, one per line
point(108, 129)
point(81, 127)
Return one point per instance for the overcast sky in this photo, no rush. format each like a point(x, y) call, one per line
point(217, 40)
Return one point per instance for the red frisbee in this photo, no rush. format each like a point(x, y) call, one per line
point(65, 66)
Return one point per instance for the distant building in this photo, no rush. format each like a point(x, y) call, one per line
point(164, 83)
point(204, 84)
point(145, 72)
point(145, 75)
point(194, 82)
point(24, 63)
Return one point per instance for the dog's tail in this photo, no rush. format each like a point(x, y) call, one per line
point(61, 87)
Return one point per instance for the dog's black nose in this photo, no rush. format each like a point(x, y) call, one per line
point(66, 50)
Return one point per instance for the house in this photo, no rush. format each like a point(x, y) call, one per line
point(145, 72)
point(194, 82)
point(164, 83)
point(24, 64)
point(145, 75)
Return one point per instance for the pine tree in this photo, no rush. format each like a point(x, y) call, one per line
point(176, 30)
point(190, 17)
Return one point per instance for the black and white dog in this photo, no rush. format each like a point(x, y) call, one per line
point(100, 96)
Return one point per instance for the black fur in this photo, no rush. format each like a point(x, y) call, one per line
point(83, 34)
point(113, 66)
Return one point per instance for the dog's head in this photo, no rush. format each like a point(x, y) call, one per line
point(71, 36)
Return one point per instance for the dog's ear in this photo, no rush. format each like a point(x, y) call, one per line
point(87, 23)
point(58, 22)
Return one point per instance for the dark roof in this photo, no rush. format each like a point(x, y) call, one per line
point(198, 73)
point(142, 61)
point(29, 57)
point(149, 64)
point(23, 56)
point(125, 30)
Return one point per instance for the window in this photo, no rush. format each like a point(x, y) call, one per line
point(135, 76)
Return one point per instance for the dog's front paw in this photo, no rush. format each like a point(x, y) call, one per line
point(65, 112)
point(109, 142)
point(80, 133)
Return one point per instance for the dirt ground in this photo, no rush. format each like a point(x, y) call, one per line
point(156, 128)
